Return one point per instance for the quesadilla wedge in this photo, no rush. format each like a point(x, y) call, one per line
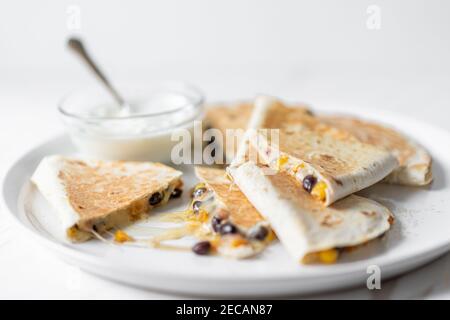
point(231, 224)
point(92, 197)
point(414, 161)
point(328, 162)
point(236, 116)
point(309, 231)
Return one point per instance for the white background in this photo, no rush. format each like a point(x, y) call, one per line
point(315, 51)
point(136, 36)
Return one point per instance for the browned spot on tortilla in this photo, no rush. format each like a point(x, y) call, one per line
point(326, 157)
point(369, 213)
point(330, 221)
point(339, 182)
point(332, 165)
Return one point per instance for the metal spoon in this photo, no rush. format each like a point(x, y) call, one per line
point(76, 45)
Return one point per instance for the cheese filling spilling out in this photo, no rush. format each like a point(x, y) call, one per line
point(208, 221)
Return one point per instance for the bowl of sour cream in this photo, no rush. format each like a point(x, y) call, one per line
point(101, 129)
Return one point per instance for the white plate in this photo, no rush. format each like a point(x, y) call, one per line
point(421, 233)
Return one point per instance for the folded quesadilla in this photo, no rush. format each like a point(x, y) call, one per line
point(92, 197)
point(329, 163)
point(309, 231)
point(231, 225)
point(236, 116)
point(414, 161)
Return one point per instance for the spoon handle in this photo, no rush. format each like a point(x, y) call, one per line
point(77, 46)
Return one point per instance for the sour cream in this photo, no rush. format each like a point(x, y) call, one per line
point(101, 129)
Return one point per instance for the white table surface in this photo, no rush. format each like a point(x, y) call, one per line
point(28, 116)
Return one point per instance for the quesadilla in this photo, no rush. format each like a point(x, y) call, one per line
point(229, 116)
point(414, 161)
point(92, 197)
point(309, 231)
point(231, 225)
point(236, 116)
point(328, 162)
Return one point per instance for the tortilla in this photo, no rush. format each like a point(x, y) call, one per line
point(308, 230)
point(235, 116)
point(328, 162)
point(92, 197)
point(414, 161)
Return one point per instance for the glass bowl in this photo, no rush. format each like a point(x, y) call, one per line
point(100, 129)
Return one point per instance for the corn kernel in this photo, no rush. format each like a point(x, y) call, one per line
point(215, 242)
point(298, 167)
point(319, 191)
point(121, 237)
point(201, 216)
point(328, 256)
point(271, 236)
point(237, 242)
point(72, 232)
point(199, 185)
point(282, 160)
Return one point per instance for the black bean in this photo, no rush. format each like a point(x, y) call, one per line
point(198, 192)
point(176, 193)
point(215, 223)
point(259, 233)
point(309, 182)
point(228, 228)
point(155, 198)
point(196, 206)
point(202, 247)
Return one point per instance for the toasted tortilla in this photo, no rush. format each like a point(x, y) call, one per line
point(414, 167)
point(414, 161)
point(230, 205)
point(308, 230)
point(236, 116)
point(338, 163)
point(229, 115)
point(95, 196)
